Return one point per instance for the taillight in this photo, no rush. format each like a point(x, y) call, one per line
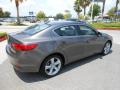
point(22, 47)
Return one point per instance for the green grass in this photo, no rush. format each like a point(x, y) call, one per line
point(106, 25)
point(3, 34)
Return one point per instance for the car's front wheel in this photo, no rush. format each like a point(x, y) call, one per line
point(52, 66)
point(107, 48)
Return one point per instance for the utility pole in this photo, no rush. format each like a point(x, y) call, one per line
point(103, 8)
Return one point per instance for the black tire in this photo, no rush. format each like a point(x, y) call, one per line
point(103, 51)
point(42, 68)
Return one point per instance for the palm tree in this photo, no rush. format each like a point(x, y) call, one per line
point(77, 8)
point(116, 8)
point(103, 7)
point(17, 2)
point(84, 4)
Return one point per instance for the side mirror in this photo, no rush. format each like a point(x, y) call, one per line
point(99, 34)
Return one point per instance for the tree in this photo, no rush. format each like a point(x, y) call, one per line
point(84, 18)
point(67, 14)
point(77, 8)
point(41, 15)
point(59, 16)
point(1, 13)
point(84, 4)
point(4, 14)
point(96, 10)
point(112, 13)
point(7, 14)
point(17, 3)
point(116, 8)
point(103, 8)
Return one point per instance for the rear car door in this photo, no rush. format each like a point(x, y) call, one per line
point(72, 46)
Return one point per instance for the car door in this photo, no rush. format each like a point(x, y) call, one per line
point(72, 46)
point(93, 43)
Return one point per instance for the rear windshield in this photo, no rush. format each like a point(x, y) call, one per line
point(36, 28)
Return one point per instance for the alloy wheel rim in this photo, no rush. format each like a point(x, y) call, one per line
point(53, 66)
point(107, 48)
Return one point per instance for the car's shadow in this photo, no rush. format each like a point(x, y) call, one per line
point(35, 77)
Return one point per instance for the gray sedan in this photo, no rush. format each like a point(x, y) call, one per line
point(49, 46)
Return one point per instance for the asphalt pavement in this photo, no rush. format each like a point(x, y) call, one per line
point(93, 73)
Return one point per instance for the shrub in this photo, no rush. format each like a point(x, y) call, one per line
point(3, 36)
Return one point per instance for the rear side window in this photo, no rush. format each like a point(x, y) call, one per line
point(66, 31)
point(36, 28)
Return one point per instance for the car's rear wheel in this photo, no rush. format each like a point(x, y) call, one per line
point(107, 48)
point(52, 66)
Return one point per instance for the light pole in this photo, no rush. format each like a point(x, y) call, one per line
point(92, 11)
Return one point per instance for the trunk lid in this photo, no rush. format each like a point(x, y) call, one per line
point(17, 38)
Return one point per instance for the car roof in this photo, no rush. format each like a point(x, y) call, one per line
point(65, 22)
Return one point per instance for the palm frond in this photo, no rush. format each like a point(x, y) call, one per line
point(18, 1)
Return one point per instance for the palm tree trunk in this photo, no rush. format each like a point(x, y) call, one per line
point(78, 14)
point(116, 9)
point(18, 18)
point(84, 12)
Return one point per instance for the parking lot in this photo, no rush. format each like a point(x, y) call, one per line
point(93, 73)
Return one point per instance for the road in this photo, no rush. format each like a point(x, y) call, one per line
point(94, 73)
point(114, 34)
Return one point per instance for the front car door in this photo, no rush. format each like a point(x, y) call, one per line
point(93, 41)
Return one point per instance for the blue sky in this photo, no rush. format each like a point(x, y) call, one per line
point(50, 7)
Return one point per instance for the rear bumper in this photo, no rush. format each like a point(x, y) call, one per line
point(22, 67)
point(23, 63)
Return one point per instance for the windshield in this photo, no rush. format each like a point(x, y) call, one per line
point(36, 28)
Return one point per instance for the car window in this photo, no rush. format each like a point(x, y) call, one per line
point(85, 30)
point(66, 31)
point(36, 28)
